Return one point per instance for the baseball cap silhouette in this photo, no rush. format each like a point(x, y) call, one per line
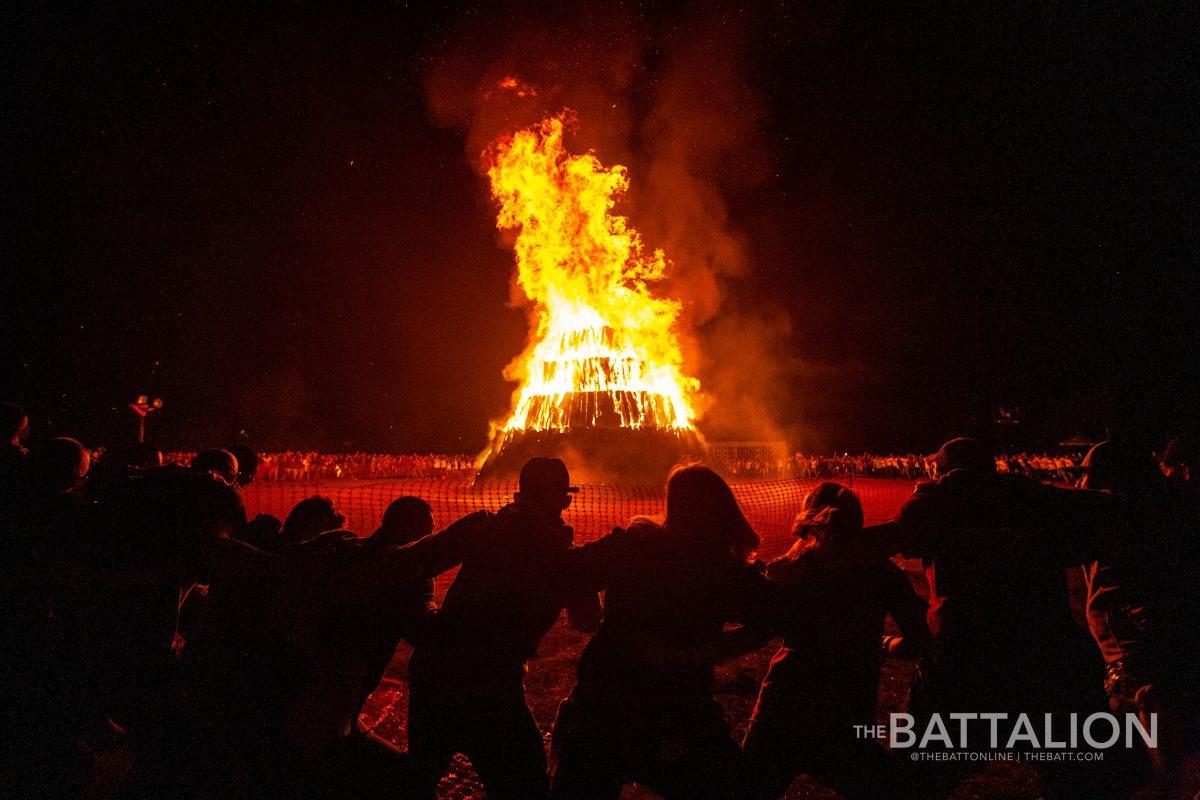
point(545, 477)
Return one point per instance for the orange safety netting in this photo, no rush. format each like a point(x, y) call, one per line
point(769, 505)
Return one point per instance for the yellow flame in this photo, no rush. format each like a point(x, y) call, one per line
point(603, 352)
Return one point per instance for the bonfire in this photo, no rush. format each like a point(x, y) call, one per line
point(603, 371)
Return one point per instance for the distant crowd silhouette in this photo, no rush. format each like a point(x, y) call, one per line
point(158, 643)
point(315, 466)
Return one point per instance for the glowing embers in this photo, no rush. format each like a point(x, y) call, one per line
point(603, 352)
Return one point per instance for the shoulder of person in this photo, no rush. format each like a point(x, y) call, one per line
point(473, 525)
point(925, 496)
point(619, 538)
point(1019, 482)
point(641, 532)
point(924, 492)
point(340, 539)
point(481, 518)
point(643, 527)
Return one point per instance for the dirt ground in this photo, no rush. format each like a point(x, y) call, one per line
point(552, 675)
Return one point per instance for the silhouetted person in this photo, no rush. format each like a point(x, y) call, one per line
point(310, 518)
point(262, 532)
point(409, 609)
point(834, 595)
point(117, 463)
point(412, 608)
point(995, 550)
point(405, 520)
point(41, 753)
point(221, 463)
point(358, 633)
point(247, 461)
point(1179, 462)
point(643, 707)
point(250, 661)
point(1143, 606)
point(353, 639)
point(467, 692)
point(159, 532)
point(58, 466)
point(136, 455)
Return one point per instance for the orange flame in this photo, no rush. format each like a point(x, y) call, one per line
point(521, 89)
point(603, 351)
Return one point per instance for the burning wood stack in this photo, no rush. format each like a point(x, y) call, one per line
point(601, 382)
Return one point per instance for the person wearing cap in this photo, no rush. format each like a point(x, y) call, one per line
point(1143, 607)
point(995, 550)
point(834, 595)
point(517, 573)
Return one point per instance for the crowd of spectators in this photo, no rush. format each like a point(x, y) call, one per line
point(1061, 468)
point(312, 466)
point(160, 643)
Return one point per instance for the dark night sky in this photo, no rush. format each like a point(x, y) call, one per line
point(252, 214)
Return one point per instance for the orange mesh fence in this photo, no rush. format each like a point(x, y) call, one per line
point(769, 505)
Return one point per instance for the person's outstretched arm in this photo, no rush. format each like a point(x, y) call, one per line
point(593, 566)
point(590, 569)
point(423, 559)
point(225, 556)
point(908, 610)
point(584, 612)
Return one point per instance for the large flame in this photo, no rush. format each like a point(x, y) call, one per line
point(603, 351)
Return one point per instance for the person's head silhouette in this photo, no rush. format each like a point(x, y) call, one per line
point(701, 506)
point(59, 465)
point(830, 516)
point(1179, 462)
point(309, 519)
point(405, 520)
point(1120, 468)
point(220, 463)
point(247, 463)
point(544, 486)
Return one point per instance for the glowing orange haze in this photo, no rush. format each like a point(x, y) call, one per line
point(603, 350)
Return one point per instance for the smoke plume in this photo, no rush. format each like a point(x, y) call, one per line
point(678, 109)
